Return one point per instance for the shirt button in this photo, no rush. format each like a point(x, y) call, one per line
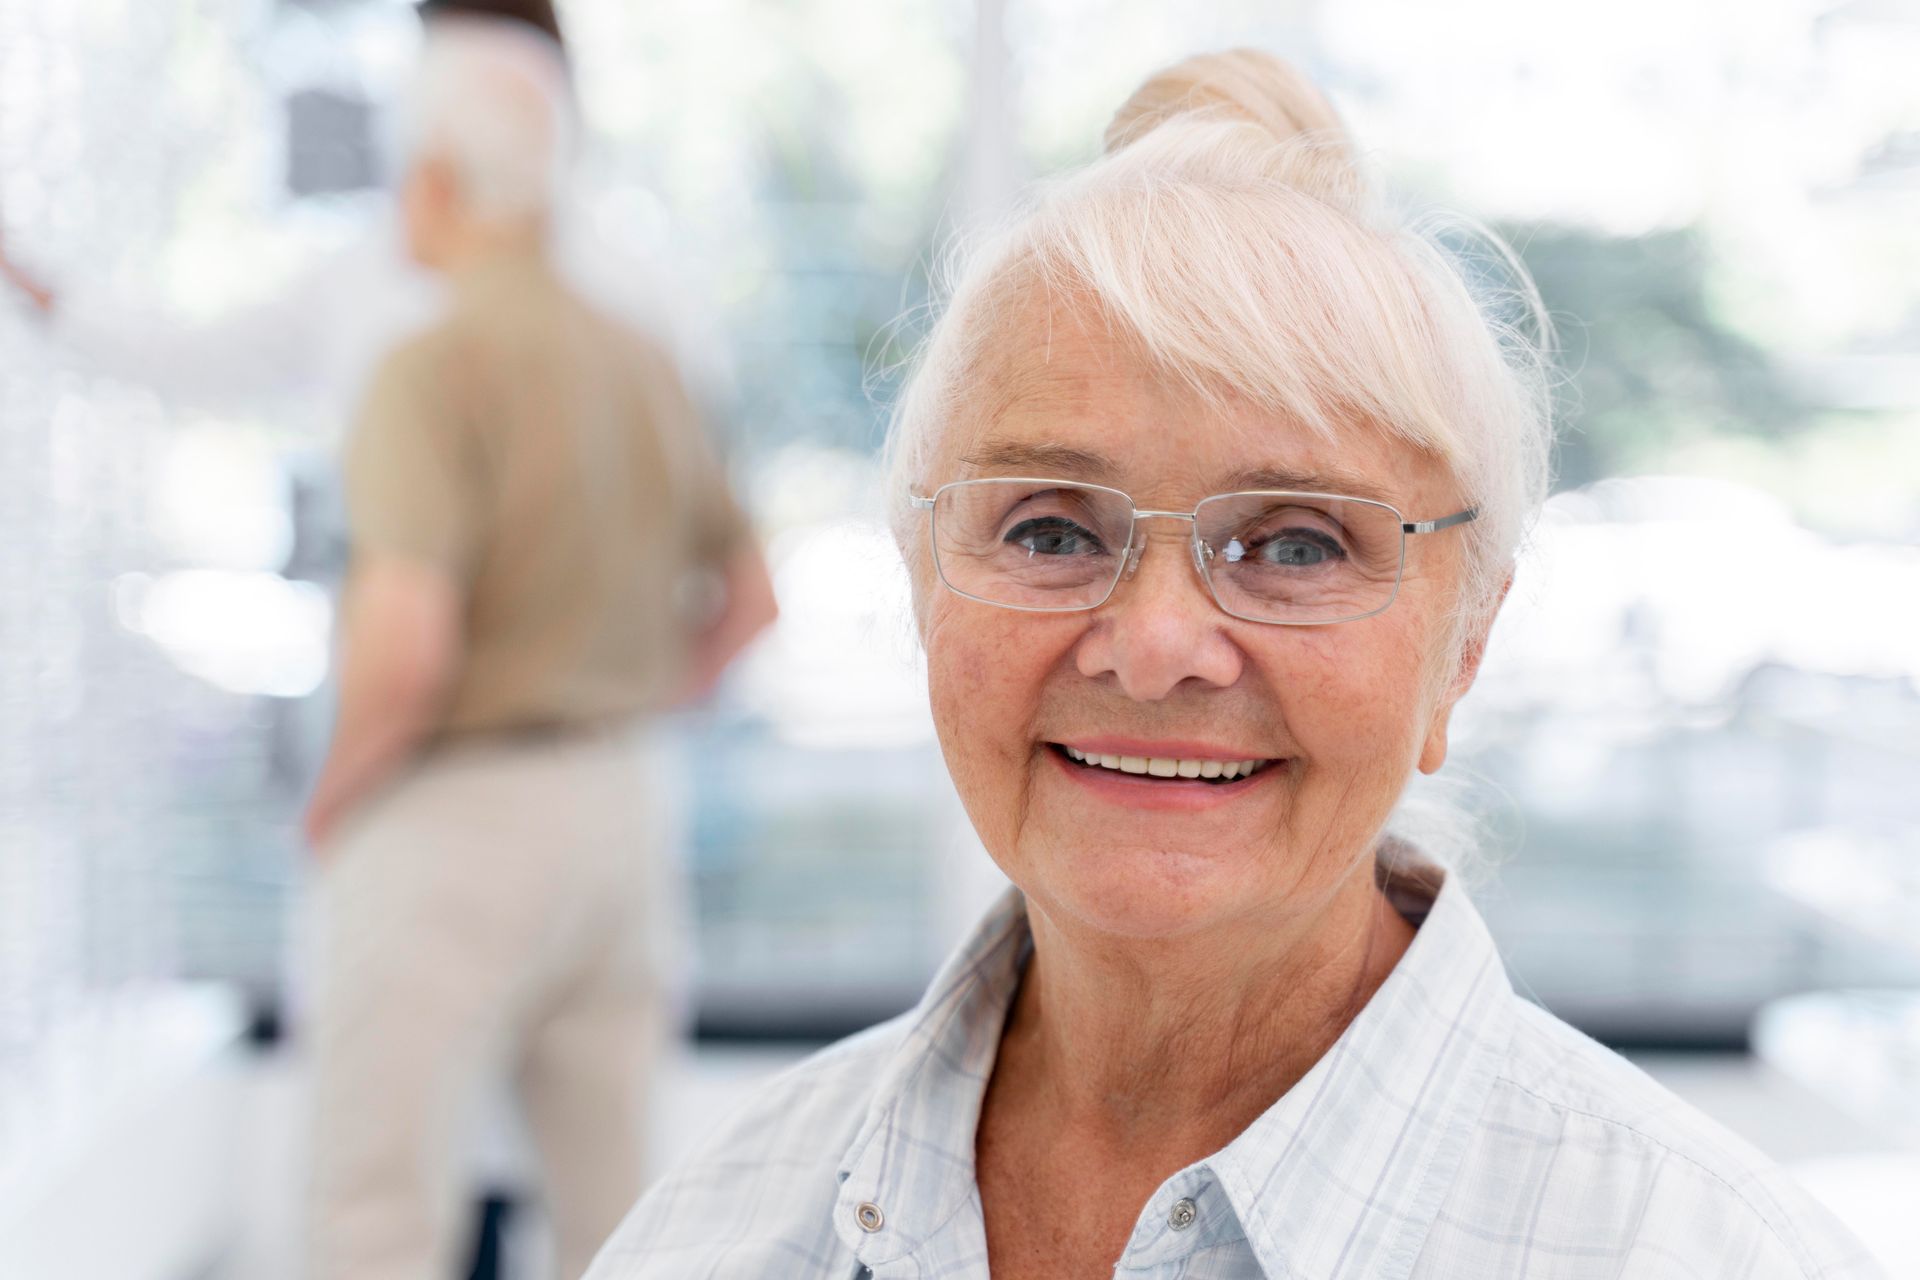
point(1182, 1215)
point(869, 1217)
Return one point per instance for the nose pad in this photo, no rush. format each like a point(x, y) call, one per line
point(1201, 554)
point(1134, 552)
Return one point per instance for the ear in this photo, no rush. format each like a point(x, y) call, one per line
point(440, 183)
point(1433, 752)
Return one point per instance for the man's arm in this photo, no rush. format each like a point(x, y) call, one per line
point(236, 359)
point(29, 286)
point(402, 645)
point(748, 610)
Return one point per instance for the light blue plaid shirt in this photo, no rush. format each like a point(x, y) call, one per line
point(1454, 1130)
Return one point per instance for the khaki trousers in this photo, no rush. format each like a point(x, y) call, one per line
point(497, 914)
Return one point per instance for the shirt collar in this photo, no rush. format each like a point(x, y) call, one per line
point(1341, 1177)
point(1344, 1175)
point(913, 1155)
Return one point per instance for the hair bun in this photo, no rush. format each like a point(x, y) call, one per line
point(1249, 86)
point(1248, 83)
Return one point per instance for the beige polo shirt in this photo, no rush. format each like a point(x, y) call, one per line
point(551, 462)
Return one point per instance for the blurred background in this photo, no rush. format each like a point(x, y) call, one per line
point(1695, 748)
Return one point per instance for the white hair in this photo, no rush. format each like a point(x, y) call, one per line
point(491, 99)
point(1228, 230)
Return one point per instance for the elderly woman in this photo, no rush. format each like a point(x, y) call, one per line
point(1210, 484)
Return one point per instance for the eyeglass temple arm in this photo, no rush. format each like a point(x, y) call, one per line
point(1444, 522)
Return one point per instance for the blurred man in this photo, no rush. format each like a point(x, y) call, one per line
point(315, 339)
point(538, 14)
point(300, 355)
point(544, 552)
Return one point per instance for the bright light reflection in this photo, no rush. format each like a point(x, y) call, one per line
point(823, 677)
point(1676, 589)
point(221, 500)
point(248, 633)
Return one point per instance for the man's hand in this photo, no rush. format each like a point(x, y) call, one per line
point(401, 648)
point(321, 819)
point(748, 609)
point(14, 274)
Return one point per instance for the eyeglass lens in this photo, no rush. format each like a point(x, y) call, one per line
point(1268, 557)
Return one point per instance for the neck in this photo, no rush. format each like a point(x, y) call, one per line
point(1180, 1045)
point(475, 245)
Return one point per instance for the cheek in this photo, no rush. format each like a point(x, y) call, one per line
point(986, 669)
point(976, 674)
point(1353, 696)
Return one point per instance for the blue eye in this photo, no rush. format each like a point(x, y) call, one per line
point(1289, 549)
point(1053, 536)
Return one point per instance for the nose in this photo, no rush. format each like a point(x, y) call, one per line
point(1161, 628)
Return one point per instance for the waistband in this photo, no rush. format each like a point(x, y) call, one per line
point(542, 733)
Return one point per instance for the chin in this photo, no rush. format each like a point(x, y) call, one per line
point(1140, 892)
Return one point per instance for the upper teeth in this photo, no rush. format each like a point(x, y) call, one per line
point(1168, 767)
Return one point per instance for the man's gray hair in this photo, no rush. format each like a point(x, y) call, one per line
point(492, 100)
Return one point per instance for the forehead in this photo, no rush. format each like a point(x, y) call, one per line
point(1061, 394)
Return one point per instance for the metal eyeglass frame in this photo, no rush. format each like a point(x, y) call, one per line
point(1130, 561)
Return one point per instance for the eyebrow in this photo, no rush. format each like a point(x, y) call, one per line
point(1014, 457)
point(1049, 460)
point(1342, 483)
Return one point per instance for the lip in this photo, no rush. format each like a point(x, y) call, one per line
point(1166, 749)
point(1165, 795)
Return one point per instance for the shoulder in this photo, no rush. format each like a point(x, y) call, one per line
point(758, 1198)
point(1580, 1154)
point(481, 324)
point(410, 371)
point(406, 417)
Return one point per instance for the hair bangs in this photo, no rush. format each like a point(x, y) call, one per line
point(1257, 294)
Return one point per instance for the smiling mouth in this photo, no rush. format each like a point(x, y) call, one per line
point(1165, 767)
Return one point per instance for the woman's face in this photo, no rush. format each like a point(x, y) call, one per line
point(1337, 715)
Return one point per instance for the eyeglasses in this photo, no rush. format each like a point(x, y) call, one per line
point(1055, 546)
